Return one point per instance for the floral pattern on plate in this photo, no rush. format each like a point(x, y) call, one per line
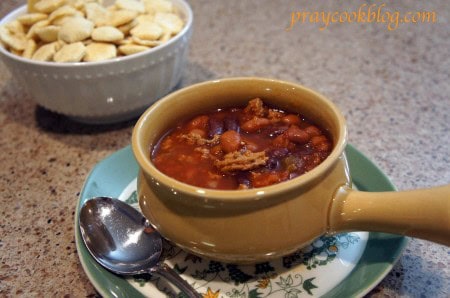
point(300, 274)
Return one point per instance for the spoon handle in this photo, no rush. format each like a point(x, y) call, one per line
point(171, 275)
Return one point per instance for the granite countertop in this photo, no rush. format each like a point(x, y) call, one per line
point(392, 86)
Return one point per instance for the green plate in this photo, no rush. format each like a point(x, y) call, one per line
point(112, 175)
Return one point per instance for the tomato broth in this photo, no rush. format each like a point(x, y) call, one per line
point(242, 147)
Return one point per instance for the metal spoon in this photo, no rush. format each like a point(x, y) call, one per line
point(122, 241)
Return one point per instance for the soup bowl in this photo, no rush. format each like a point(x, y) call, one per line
point(255, 225)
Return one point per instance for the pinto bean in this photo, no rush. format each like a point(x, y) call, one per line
point(316, 140)
point(297, 135)
point(281, 141)
point(291, 119)
point(251, 146)
point(323, 147)
point(255, 124)
point(277, 130)
point(230, 141)
point(313, 131)
point(215, 127)
point(200, 122)
point(320, 143)
point(217, 151)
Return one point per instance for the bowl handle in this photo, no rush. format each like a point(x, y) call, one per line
point(422, 213)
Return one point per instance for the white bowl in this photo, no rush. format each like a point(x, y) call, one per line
point(107, 91)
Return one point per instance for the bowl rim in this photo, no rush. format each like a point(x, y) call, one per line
point(145, 164)
point(186, 9)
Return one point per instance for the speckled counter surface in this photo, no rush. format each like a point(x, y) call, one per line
point(393, 87)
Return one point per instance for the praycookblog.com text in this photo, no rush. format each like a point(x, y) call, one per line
point(374, 13)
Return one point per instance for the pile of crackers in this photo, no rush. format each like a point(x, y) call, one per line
point(86, 30)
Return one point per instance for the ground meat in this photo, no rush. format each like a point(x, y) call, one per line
point(196, 139)
point(274, 116)
point(205, 152)
point(255, 107)
point(241, 161)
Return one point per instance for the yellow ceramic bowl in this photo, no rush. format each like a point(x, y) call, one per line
point(258, 224)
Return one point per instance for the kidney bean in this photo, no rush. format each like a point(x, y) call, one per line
point(297, 135)
point(230, 141)
point(278, 152)
point(313, 131)
point(231, 123)
point(215, 127)
point(291, 119)
point(255, 124)
point(198, 122)
point(243, 180)
point(272, 163)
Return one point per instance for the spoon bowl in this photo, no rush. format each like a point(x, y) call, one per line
point(121, 240)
